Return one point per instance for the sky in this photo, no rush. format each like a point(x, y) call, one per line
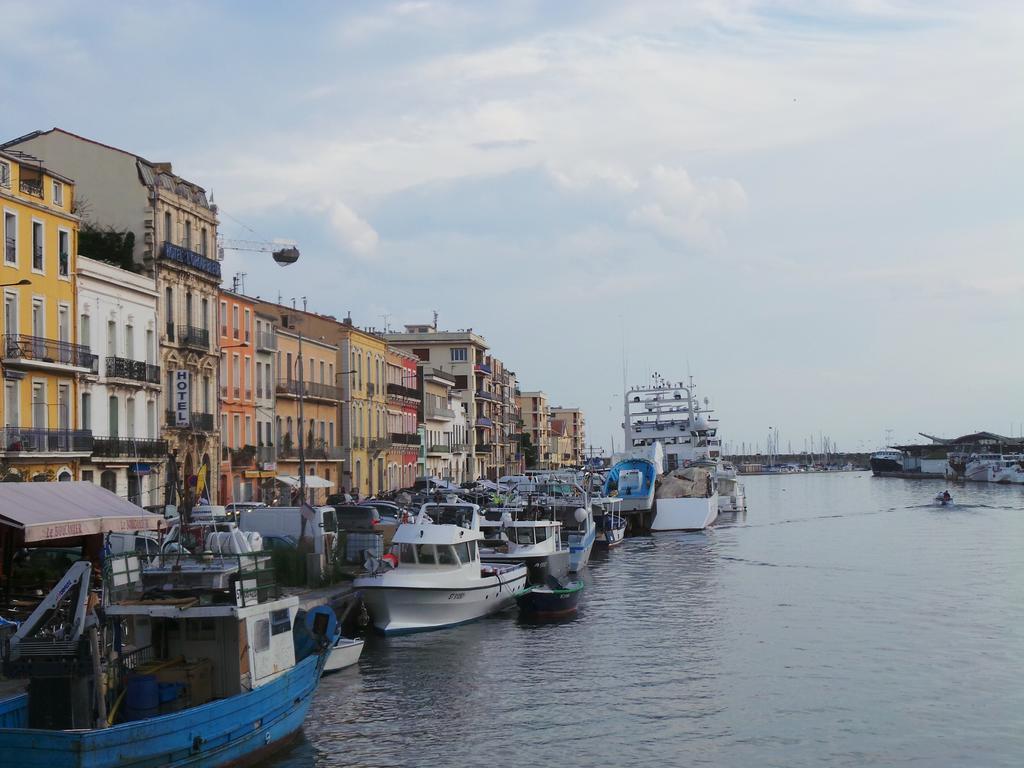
point(813, 208)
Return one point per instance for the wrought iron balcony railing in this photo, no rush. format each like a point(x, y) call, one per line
point(36, 349)
point(129, 447)
point(39, 440)
point(266, 342)
point(197, 421)
point(401, 391)
point(135, 370)
point(308, 389)
point(483, 421)
point(403, 438)
point(190, 336)
point(379, 444)
point(439, 449)
point(484, 448)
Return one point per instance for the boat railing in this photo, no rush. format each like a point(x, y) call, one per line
point(122, 668)
point(244, 579)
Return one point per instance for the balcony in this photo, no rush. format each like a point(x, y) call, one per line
point(132, 370)
point(39, 352)
point(202, 422)
point(441, 413)
point(482, 368)
point(266, 454)
point(434, 450)
point(243, 458)
point(460, 448)
point(190, 336)
point(483, 421)
point(481, 395)
point(397, 390)
point(266, 342)
point(21, 440)
point(485, 448)
point(308, 389)
point(34, 188)
point(129, 448)
point(403, 438)
point(380, 444)
point(191, 259)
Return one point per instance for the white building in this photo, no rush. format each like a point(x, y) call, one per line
point(445, 430)
point(121, 405)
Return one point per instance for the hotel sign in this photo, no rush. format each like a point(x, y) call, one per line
point(182, 398)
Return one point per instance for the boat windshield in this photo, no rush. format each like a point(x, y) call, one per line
point(451, 514)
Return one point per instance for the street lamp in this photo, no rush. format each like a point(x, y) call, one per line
point(23, 281)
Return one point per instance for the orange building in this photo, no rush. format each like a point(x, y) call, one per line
point(239, 475)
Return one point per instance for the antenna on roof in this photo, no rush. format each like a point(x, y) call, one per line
point(435, 319)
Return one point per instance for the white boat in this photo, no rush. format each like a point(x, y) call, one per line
point(611, 525)
point(732, 496)
point(526, 535)
point(344, 653)
point(994, 468)
point(436, 578)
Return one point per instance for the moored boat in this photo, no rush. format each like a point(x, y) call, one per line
point(438, 578)
point(192, 661)
point(344, 653)
point(554, 600)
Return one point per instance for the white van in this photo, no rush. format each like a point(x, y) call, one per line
point(287, 521)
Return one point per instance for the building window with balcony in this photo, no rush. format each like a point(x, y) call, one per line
point(223, 319)
point(459, 354)
point(129, 342)
point(248, 320)
point(236, 422)
point(248, 378)
point(224, 429)
point(248, 430)
point(111, 338)
point(202, 241)
point(85, 412)
point(37, 246)
point(10, 238)
point(12, 404)
point(187, 242)
point(151, 419)
point(206, 395)
point(63, 253)
point(323, 371)
point(169, 311)
point(259, 379)
point(204, 321)
point(112, 416)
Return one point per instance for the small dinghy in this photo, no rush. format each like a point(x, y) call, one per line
point(344, 653)
point(554, 600)
point(943, 499)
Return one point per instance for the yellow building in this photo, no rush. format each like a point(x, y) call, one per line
point(41, 362)
point(316, 426)
point(365, 413)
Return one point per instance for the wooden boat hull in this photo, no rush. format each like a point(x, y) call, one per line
point(239, 730)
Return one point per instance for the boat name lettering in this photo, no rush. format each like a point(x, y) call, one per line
point(456, 595)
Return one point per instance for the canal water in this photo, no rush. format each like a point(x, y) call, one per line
point(843, 621)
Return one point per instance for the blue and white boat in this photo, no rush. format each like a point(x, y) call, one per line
point(633, 481)
point(194, 660)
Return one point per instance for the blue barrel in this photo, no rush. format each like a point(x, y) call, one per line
point(170, 691)
point(142, 699)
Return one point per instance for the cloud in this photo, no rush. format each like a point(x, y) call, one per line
point(689, 210)
point(355, 233)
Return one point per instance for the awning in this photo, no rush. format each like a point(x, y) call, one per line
point(60, 510)
point(312, 481)
point(259, 474)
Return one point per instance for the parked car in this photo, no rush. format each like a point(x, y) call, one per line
point(390, 512)
point(140, 542)
point(234, 508)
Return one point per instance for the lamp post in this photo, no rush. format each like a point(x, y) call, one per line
point(23, 281)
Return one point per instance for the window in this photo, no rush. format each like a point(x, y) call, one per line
point(129, 342)
point(423, 354)
point(5, 175)
point(459, 354)
point(58, 193)
point(248, 321)
point(150, 348)
point(169, 310)
point(425, 554)
point(112, 416)
point(236, 430)
point(10, 238)
point(223, 318)
point(202, 241)
point(261, 635)
point(111, 338)
point(248, 377)
point(168, 228)
point(86, 411)
point(63, 253)
point(37, 246)
point(151, 419)
point(234, 320)
point(279, 622)
point(129, 421)
point(204, 321)
point(11, 404)
point(248, 430)
point(259, 379)
point(188, 235)
point(323, 369)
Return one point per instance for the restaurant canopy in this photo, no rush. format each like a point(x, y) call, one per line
point(44, 511)
point(312, 481)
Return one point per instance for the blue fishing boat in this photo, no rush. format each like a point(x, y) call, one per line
point(192, 660)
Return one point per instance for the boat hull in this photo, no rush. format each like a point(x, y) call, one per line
point(550, 603)
point(611, 536)
point(239, 730)
point(580, 548)
point(689, 514)
point(344, 653)
point(885, 465)
point(405, 609)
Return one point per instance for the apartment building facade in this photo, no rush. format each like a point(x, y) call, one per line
point(237, 394)
point(121, 405)
point(575, 431)
point(443, 417)
point(536, 416)
point(403, 406)
point(42, 365)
